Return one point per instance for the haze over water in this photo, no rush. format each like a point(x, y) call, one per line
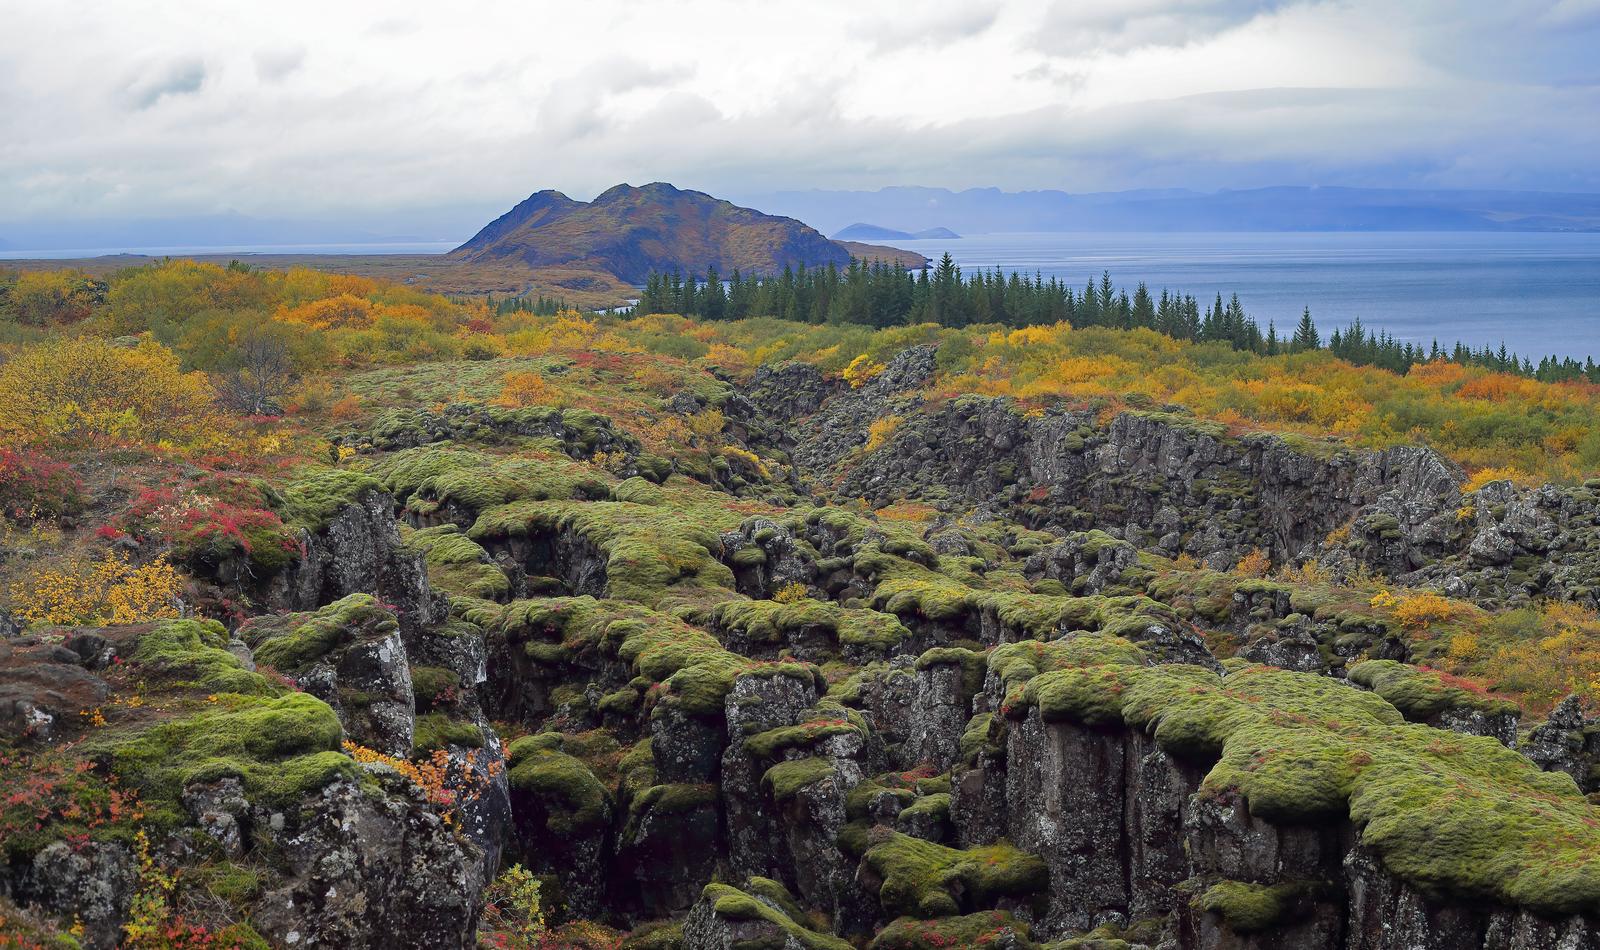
point(1539, 293)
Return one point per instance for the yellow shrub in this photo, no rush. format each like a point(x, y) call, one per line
point(790, 593)
point(1419, 611)
point(107, 591)
point(526, 389)
point(746, 459)
point(89, 392)
point(860, 370)
point(1484, 476)
point(1254, 564)
point(879, 432)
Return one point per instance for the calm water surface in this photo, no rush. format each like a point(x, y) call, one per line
point(1536, 293)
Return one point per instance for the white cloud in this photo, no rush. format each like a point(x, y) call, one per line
point(324, 108)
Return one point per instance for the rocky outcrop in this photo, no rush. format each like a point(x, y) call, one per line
point(1128, 833)
point(45, 689)
point(358, 550)
point(349, 655)
point(1567, 741)
point(368, 869)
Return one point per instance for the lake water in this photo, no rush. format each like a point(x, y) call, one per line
point(1536, 293)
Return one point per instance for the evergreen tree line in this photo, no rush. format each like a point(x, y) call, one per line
point(540, 306)
point(884, 295)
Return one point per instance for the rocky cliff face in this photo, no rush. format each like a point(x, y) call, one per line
point(743, 717)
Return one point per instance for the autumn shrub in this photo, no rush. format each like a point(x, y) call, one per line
point(861, 370)
point(513, 916)
point(90, 393)
point(50, 298)
point(1254, 564)
point(32, 485)
point(880, 430)
point(108, 589)
point(1545, 654)
point(526, 389)
point(1419, 611)
point(1484, 476)
point(205, 530)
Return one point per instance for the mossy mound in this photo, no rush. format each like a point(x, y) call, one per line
point(575, 803)
point(770, 622)
point(923, 879)
point(313, 498)
point(734, 904)
point(693, 670)
point(280, 749)
point(1251, 908)
point(992, 928)
point(785, 780)
point(192, 654)
point(1456, 816)
point(292, 643)
point(660, 546)
point(428, 478)
point(1422, 694)
point(457, 564)
point(826, 719)
point(437, 730)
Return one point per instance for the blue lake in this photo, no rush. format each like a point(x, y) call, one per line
point(1538, 293)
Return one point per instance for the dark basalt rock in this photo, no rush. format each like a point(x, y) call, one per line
point(369, 870)
point(1567, 741)
point(43, 688)
point(359, 551)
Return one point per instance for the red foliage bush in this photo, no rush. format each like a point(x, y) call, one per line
point(32, 485)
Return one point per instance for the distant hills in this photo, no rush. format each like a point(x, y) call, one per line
point(872, 232)
point(985, 210)
point(630, 232)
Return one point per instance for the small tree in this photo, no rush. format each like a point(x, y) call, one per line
point(262, 374)
point(1305, 335)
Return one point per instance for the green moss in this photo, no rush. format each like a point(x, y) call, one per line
point(672, 799)
point(293, 643)
point(693, 669)
point(934, 806)
point(192, 654)
point(786, 779)
point(1458, 816)
point(1422, 694)
point(1250, 908)
point(985, 929)
point(979, 737)
point(769, 621)
point(973, 663)
point(315, 497)
point(657, 554)
point(733, 904)
point(824, 720)
point(575, 802)
point(436, 730)
point(280, 749)
point(456, 563)
point(426, 479)
point(655, 935)
point(431, 683)
point(923, 879)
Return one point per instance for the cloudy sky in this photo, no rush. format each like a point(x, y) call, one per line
point(340, 108)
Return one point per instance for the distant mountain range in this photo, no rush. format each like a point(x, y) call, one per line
point(631, 232)
point(872, 232)
point(987, 210)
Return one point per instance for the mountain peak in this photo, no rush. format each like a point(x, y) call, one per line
point(629, 232)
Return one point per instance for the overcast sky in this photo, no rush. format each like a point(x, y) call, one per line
point(332, 107)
